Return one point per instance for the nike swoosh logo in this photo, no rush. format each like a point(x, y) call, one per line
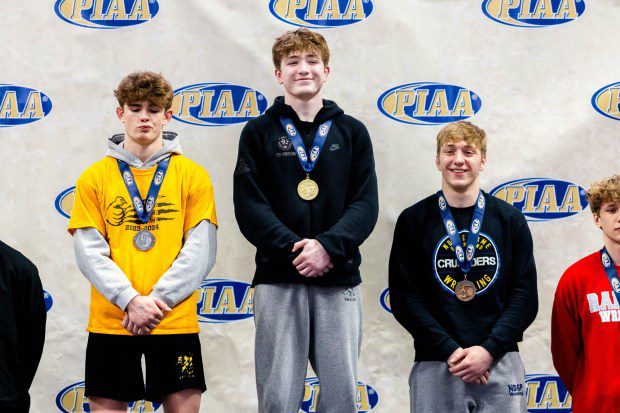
point(334, 147)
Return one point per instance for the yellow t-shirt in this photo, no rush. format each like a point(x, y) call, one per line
point(102, 202)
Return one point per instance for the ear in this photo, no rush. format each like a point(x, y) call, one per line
point(167, 116)
point(597, 220)
point(278, 74)
point(120, 114)
point(437, 163)
point(483, 162)
point(326, 73)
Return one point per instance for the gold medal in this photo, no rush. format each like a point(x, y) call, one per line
point(307, 189)
point(465, 290)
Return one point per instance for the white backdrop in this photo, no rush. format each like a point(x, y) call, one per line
point(535, 85)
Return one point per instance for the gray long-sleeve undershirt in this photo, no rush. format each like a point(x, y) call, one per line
point(187, 272)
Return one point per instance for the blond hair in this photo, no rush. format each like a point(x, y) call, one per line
point(462, 131)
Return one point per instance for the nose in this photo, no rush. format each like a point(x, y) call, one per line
point(144, 115)
point(458, 157)
point(303, 67)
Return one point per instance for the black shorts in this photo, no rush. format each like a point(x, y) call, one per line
point(114, 367)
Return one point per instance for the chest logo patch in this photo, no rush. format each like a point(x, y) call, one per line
point(484, 269)
point(284, 143)
point(120, 211)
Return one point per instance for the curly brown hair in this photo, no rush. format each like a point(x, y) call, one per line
point(607, 190)
point(145, 86)
point(300, 40)
point(462, 131)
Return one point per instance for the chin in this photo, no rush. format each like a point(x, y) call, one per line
point(144, 139)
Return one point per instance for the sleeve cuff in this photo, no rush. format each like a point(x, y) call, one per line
point(324, 241)
point(493, 347)
point(448, 348)
point(161, 298)
point(123, 298)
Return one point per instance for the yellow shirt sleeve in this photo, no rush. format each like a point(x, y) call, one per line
point(86, 211)
point(201, 201)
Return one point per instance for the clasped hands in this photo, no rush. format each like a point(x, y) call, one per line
point(144, 313)
point(313, 260)
point(471, 364)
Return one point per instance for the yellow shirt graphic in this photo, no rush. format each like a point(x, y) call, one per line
point(102, 202)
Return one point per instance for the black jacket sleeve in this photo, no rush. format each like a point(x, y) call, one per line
point(30, 317)
point(362, 209)
point(22, 328)
point(407, 302)
point(522, 306)
point(256, 219)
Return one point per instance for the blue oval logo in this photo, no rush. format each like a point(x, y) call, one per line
point(606, 101)
point(533, 13)
point(385, 300)
point(217, 104)
point(543, 199)
point(49, 301)
point(367, 397)
point(21, 105)
point(64, 202)
point(71, 399)
point(429, 103)
point(547, 393)
point(106, 14)
point(224, 301)
point(321, 14)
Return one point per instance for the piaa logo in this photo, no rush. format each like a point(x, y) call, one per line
point(321, 14)
point(385, 300)
point(223, 301)
point(533, 13)
point(64, 202)
point(106, 14)
point(367, 397)
point(543, 199)
point(71, 399)
point(606, 101)
point(49, 302)
point(20, 105)
point(217, 104)
point(547, 393)
point(429, 103)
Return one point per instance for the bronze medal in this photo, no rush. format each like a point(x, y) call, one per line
point(465, 290)
point(307, 189)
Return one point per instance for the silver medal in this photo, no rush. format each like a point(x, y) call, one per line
point(144, 240)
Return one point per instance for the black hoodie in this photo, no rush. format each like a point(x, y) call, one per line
point(272, 216)
point(424, 271)
point(22, 328)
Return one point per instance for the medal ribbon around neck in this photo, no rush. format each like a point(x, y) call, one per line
point(143, 211)
point(611, 272)
point(307, 162)
point(463, 257)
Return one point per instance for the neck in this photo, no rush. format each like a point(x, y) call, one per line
point(613, 248)
point(140, 151)
point(305, 109)
point(461, 199)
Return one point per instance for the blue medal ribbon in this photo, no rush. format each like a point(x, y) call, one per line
point(611, 272)
point(307, 162)
point(143, 209)
point(465, 256)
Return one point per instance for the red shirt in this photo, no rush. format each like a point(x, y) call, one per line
point(585, 336)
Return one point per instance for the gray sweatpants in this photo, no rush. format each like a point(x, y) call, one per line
point(296, 323)
point(433, 389)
